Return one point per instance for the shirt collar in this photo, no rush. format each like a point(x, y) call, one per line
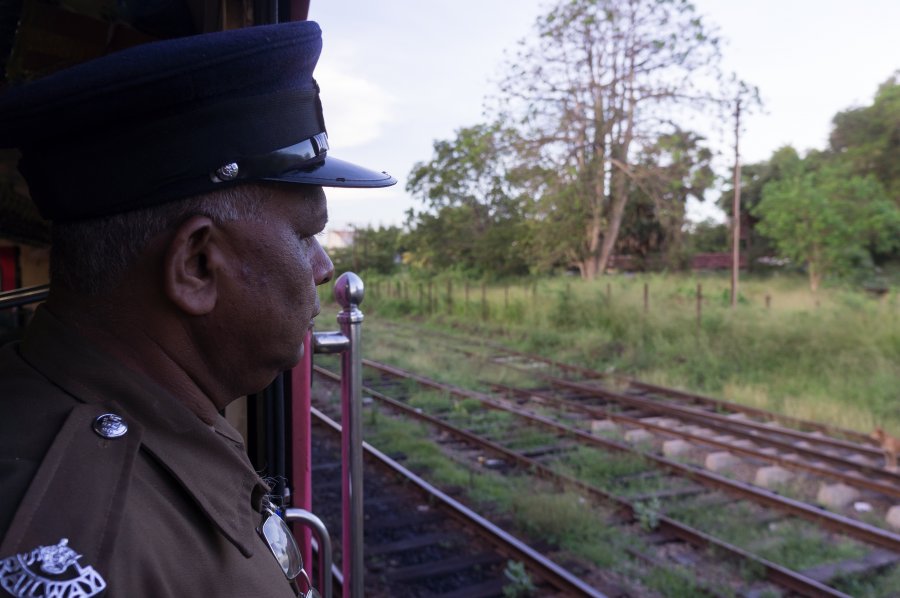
point(209, 463)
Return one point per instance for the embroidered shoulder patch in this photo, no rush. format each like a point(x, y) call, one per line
point(49, 571)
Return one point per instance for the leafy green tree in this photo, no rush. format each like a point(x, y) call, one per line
point(828, 219)
point(373, 250)
point(868, 138)
point(666, 173)
point(474, 218)
point(641, 235)
point(677, 166)
point(598, 82)
point(754, 177)
point(446, 240)
point(708, 236)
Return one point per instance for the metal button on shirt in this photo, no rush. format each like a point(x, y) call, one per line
point(110, 425)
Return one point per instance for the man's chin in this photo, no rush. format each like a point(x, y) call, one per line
point(287, 360)
point(295, 359)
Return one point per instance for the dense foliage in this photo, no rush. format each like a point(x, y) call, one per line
point(829, 219)
point(834, 212)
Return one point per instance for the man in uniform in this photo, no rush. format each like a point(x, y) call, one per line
point(184, 181)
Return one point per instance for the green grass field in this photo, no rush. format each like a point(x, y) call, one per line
point(832, 357)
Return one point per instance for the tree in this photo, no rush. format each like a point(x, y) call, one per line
point(708, 236)
point(641, 236)
point(447, 240)
point(373, 250)
point(600, 81)
point(474, 219)
point(868, 138)
point(754, 177)
point(674, 168)
point(828, 219)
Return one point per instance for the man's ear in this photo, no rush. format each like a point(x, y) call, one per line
point(192, 266)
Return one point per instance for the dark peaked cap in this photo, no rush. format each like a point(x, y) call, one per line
point(175, 118)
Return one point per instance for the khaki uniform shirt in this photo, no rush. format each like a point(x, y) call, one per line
point(169, 509)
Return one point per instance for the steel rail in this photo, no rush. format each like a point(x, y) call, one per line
point(716, 403)
point(757, 432)
point(798, 434)
point(781, 576)
point(600, 412)
point(837, 523)
point(799, 423)
point(549, 571)
point(805, 436)
point(675, 393)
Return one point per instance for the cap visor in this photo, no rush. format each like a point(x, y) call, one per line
point(333, 172)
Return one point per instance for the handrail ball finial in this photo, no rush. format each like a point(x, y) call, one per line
point(349, 290)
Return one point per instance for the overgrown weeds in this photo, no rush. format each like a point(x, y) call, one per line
point(833, 356)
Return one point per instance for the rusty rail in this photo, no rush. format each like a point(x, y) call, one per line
point(832, 521)
point(779, 575)
point(548, 570)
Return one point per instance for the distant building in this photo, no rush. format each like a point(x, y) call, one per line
point(338, 239)
point(717, 261)
point(653, 262)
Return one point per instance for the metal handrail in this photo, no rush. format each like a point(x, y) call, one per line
point(349, 292)
point(24, 296)
point(307, 519)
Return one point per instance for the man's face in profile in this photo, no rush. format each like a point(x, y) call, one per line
point(268, 296)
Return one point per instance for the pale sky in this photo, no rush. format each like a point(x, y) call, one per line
point(396, 75)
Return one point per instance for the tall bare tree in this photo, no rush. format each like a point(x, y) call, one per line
point(600, 80)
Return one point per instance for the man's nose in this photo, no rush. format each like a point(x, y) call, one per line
point(323, 268)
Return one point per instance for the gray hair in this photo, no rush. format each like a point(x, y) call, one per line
point(91, 256)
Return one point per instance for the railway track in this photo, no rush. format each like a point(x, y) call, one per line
point(829, 454)
point(678, 486)
point(421, 542)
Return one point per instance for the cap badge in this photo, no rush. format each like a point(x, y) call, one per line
point(228, 172)
point(20, 574)
point(110, 425)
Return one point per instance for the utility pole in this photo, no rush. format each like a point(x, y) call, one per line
point(736, 207)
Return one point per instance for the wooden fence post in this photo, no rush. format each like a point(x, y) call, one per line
point(484, 306)
point(430, 297)
point(646, 297)
point(699, 305)
point(449, 296)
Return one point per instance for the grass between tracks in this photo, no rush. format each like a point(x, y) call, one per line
point(565, 520)
point(547, 515)
point(832, 357)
